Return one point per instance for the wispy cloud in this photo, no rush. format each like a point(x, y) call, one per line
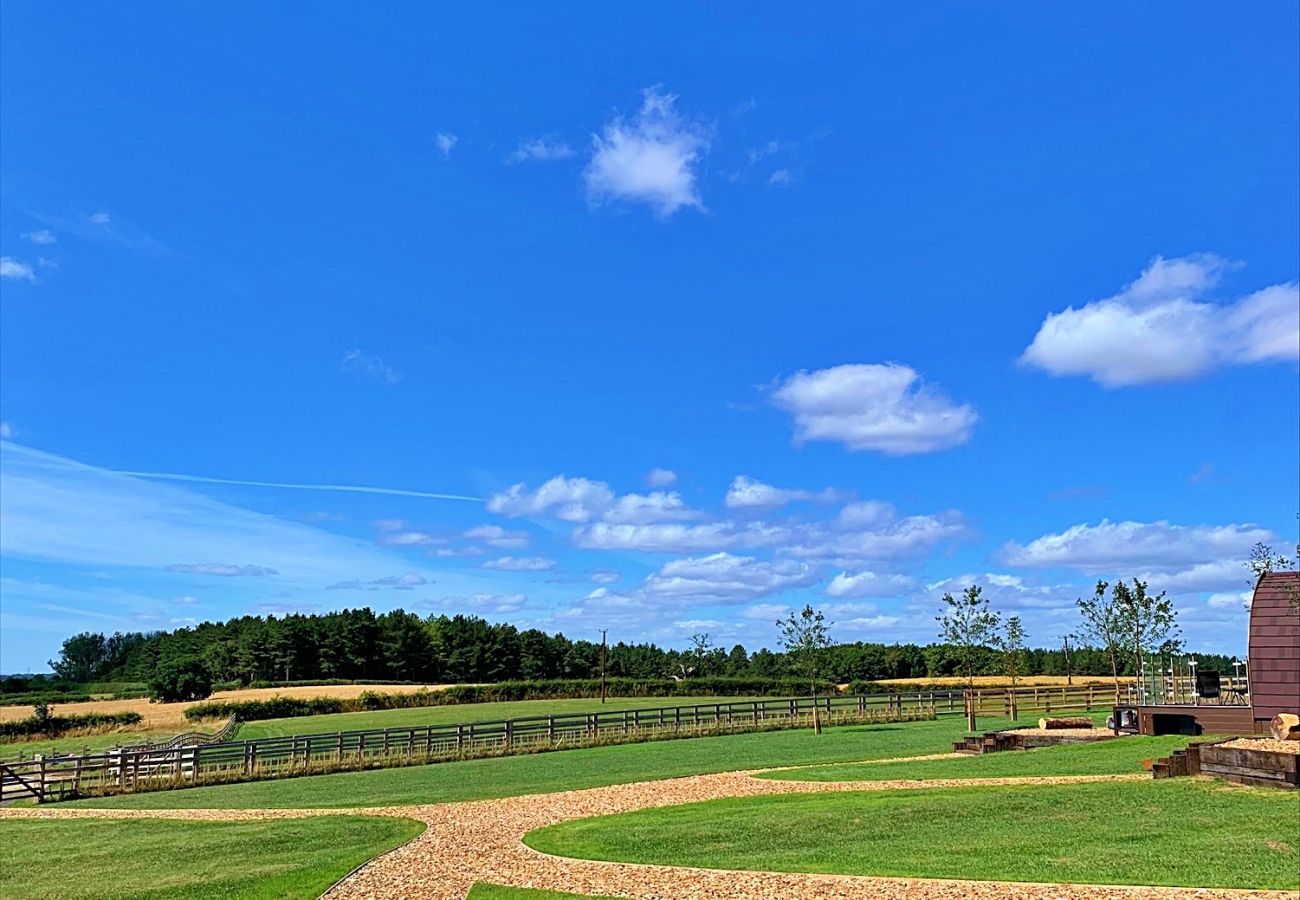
point(445, 142)
point(42, 237)
point(520, 564)
point(345, 488)
point(356, 362)
point(101, 217)
point(223, 570)
point(19, 271)
point(543, 149)
point(651, 158)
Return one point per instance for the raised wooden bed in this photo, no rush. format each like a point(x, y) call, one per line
point(1259, 768)
point(1025, 739)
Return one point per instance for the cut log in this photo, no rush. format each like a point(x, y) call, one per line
point(1285, 727)
point(1065, 722)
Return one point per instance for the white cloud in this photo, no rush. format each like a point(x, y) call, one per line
point(868, 584)
point(885, 408)
point(411, 539)
point(389, 524)
point(408, 582)
point(520, 564)
point(1163, 327)
point(649, 159)
point(1012, 592)
point(657, 506)
point(1238, 600)
point(674, 537)
point(543, 149)
point(749, 493)
point(496, 536)
point(1148, 546)
point(6, 430)
point(856, 538)
point(483, 604)
point(658, 478)
point(453, 552)
point(724, 578)
point(99, 218)
point(605, 576)
point(445, 142)
point(42, 237)
point(765, 612)
point(568, 499)
point(223, 569)
point(358, 363)
point(781, 177)
point(12, 268)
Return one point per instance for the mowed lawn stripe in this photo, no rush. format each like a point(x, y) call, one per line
point(70, 859)
point(1186, 832)
point(1121, 756)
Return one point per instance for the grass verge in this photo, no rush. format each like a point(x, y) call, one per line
point(1117, 757)
point(1187, 832)
point(87, 858)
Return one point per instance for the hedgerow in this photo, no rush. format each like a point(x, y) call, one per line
point(559, 689)
point(44, 722)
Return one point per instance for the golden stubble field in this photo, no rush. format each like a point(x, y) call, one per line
point(171, 716)
point(1001, 681)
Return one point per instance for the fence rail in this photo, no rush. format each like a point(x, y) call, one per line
point(128, 769)
point(180, 763)
point(1013, 703)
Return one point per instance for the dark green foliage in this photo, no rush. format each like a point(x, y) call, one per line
point(44, 722)
point(175, 680)
point(357, 645)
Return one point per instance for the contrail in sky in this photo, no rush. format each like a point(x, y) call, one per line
point(345, 488)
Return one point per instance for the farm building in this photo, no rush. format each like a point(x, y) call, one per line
point(1212, 702)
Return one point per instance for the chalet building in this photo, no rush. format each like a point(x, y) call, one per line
point(1273, 673)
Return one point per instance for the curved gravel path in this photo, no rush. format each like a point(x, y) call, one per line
point(481, 840)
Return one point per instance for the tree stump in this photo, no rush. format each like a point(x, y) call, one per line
point(1285, 727)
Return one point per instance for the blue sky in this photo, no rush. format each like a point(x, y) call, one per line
point(686, 316)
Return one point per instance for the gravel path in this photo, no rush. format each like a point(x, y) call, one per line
point(482, 841)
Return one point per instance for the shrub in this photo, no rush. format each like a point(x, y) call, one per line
point(44, 722)
point(180, 679)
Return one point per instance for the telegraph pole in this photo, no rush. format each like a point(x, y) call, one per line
point(1069, 674)
point(602, 664)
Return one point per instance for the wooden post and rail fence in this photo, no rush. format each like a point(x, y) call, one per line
point(184, 761)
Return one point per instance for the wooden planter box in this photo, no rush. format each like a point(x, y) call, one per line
point(1258, 768)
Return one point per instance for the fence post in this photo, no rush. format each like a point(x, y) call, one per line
point(550, 729)
point(510, 734)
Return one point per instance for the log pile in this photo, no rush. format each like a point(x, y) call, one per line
point(1285, 727)
point(1065, 722)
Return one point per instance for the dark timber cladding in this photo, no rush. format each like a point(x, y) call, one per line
point(1274, 645)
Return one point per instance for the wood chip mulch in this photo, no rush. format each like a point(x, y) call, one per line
point(1268, 745)
point(481, 840)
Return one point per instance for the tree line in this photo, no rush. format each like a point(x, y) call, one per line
point(362, 645)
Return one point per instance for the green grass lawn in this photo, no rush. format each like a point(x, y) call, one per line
point(1117, 757)
point(45, 860)
point(1169, 832)
point(564, 770)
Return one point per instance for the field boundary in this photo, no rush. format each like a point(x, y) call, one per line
point(165, 767)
